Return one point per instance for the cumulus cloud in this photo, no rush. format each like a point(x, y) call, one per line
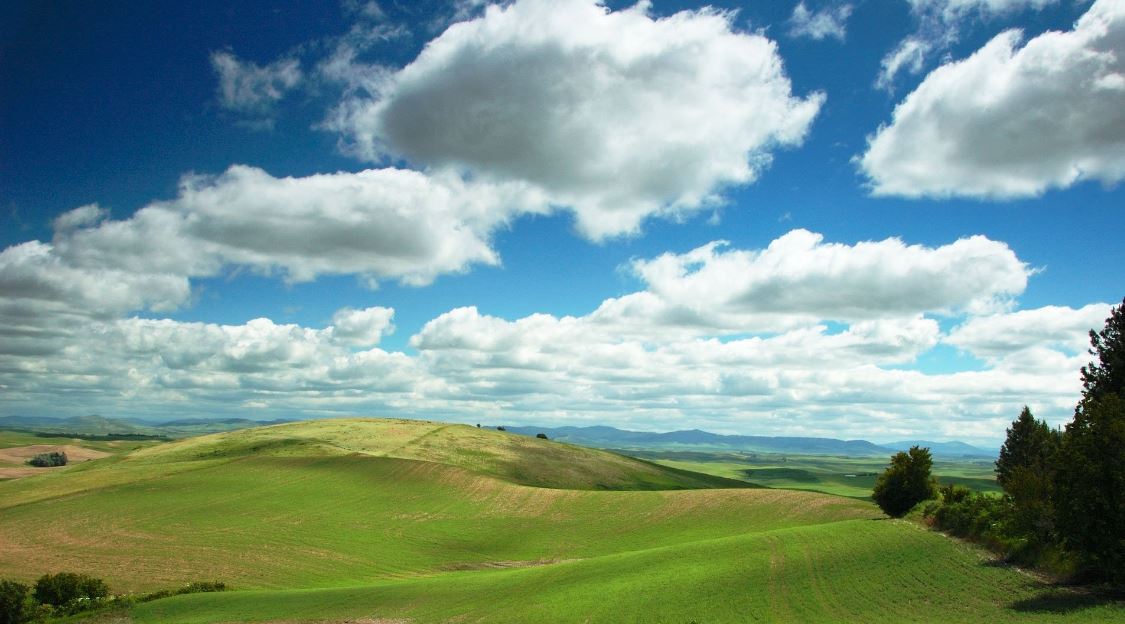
point(617, 115)
point(378, 223)
point(802, 337)
point(799, 277)
point(1012, 121)
point(1050, 327)
point(939, 24)
point(251, 89)
point(831, 21)
point(362, 328)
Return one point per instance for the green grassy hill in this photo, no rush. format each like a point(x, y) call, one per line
point(425, 522)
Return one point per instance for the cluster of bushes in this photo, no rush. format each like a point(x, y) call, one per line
point(67, 593)
point(48, 460)
point(1063, 505)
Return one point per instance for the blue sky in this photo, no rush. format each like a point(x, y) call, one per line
point(878, 220)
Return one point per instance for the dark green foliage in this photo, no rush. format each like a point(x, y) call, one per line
point(1107, 375)
point(65, 588)
point(906, 482)
point(197, 587)
point(1090, 485)
point(48, 460)
point(1025, 470)
point(1030, 444)
point(541, 436)
point(13, 602)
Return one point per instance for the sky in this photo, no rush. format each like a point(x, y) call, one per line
point(878, 220)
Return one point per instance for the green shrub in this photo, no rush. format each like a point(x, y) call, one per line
point(48, 460)
point(13, 602)
point(905, 483)
point(67, 588)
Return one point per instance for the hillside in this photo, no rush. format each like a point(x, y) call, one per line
point(391, 520)
point(514, 458)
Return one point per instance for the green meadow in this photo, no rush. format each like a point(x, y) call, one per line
point(404, 521)
point(843, 476)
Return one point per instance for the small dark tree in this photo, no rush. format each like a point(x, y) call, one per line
point(906, 482)
point(48, 460)
point(541, 436)
point(64, 588)
point(13, 602)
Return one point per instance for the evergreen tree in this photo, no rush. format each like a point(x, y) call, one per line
point(1030, 445)
point(1090, 486)
point(1025, 470)
point(1090, 473)
point(1107, 375)
point(906, 482)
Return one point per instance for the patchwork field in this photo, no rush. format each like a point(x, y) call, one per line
point(844, 476)
point(425, 522)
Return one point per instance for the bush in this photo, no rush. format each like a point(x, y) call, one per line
point(13, 602)
point(905, 483)
point(48, 460)
point(541, 436)
point(66, 588)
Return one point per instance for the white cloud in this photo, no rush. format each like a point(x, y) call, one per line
point(1012, 121)
point(362, 328)
point(251, 89)
point(723, 339)
point(379, 223)
point(939, 24)
point(1049, 327)
point(799, 278)
point(909, 55)
point(617, 115)
point(828, 22)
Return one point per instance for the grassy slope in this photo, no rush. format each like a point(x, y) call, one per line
point(347, 521)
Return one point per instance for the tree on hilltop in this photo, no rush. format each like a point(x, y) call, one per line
point(906, 482)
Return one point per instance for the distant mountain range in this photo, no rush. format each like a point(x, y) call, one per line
point(95, 425)
point(595, 436)
point(696, 440)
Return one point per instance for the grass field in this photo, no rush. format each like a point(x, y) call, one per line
point(843, 476)
point(423, 522)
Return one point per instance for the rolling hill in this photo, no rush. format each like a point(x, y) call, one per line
point(391, 520)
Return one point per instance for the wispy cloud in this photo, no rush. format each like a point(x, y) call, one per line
point(252, 90)
point(830, 21)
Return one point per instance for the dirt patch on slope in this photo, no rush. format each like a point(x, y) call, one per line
point(19, 455)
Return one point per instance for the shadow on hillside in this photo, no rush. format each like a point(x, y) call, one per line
point(1054, 600)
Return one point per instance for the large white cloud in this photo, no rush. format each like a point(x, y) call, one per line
point(618, 115)
point(1012, 121)
point(379, 223)
point(800, 278)
point(1051, 327)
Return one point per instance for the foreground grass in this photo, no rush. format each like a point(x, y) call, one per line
point(850, 571)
